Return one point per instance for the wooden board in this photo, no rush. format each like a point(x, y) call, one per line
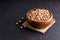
point(26, 24)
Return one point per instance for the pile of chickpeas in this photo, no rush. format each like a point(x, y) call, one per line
point(38, 15)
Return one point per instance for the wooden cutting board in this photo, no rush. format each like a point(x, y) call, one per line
point(43, 30)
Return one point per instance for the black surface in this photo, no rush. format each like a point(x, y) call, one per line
point(10, 11)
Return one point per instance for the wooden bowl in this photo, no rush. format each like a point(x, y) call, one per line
point(41, 24)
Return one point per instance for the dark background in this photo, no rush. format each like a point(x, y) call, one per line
point(11, 10)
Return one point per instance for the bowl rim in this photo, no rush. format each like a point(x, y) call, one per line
point(51, 15)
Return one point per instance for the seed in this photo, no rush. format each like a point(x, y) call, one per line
point(16, 22)
point(19, 20)
point(22, 18)
point(21, 27)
